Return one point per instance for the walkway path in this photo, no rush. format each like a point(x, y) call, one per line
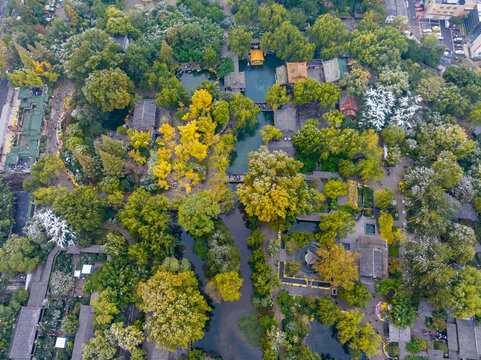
point(40, 277)
point(235, 59)
point(270, 234)
point(119, 228)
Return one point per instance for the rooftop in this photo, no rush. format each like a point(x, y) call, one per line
point(25, 146)
point(85, 331)
point(348, 105)
point(370, 263)
point(469, 339)
point(21, 345)
point(334, 69)
point(296, 71)
point(285, 119)
point(256, 55)
point(467, 212)
point(235, 81)
point(281, 75)
point(144, 115)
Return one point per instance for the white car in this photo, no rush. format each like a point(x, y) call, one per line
point(459, 52)
point(447, 52)
point(427, 31)
point(447, 24)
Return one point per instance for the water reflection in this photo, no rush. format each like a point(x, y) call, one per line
point(192, 80)
point(223, 336)
point(247, 142)
point(321, 341)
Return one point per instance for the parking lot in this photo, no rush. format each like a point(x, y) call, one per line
point(450, 37)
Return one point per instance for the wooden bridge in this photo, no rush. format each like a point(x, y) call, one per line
point(316, 175)
point(263, 106)
point(236, 178)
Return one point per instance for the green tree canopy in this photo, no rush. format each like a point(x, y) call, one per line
point(146, 219)
point(89, 51)
point(44, 172)
point(383, 198)
point(337, 224)
point(335, 188)
point(273, 190)
point(18, 254)
point(84, 211)
point(177, 310)
point(240, 41)
point(197, 213)
point(243, 111)
point(277, 96)
point(288, 43)
point(329, 34)
point(109, 89)
point(466, 291)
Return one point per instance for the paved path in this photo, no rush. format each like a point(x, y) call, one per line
point(65, 86)
point(121, 230)
point(40, 277)
point(272, 261)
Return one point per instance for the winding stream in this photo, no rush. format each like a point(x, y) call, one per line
point(223, 336)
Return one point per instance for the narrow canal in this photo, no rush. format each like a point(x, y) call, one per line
point(223, 336)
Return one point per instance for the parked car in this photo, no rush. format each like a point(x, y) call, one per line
point(440, 36)
point(427, 31)
point(447, 52)
point(420, 8)
point(447, 24)
point(436, 28)
point(459, 51)
point(457, 39)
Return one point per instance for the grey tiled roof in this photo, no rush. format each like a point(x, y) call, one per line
point(25, 332)
point(399, 334)
point(467, 212)
point(85, 331)
point(469, 339)
point(370, 263)
point(235, 81)
point(144, 115)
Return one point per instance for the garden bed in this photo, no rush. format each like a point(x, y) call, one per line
point(90, 259)
point(53, 314)
point(63, 263)
point(44, 347)
point(352, 194)
point(367, 197)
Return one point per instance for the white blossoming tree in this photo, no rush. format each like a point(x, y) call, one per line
point(45, 226)
point(406, 107)
point(378, 106)
point(60, 283)
point(382, 107)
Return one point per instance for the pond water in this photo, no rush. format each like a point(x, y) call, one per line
point(259, 78)
point(247, 142)
point(321, 341)
point(308, 226)
point(194, 79)
point(223, 335)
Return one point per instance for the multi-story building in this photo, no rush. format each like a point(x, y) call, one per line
point(472, 25)
point(446, 9)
